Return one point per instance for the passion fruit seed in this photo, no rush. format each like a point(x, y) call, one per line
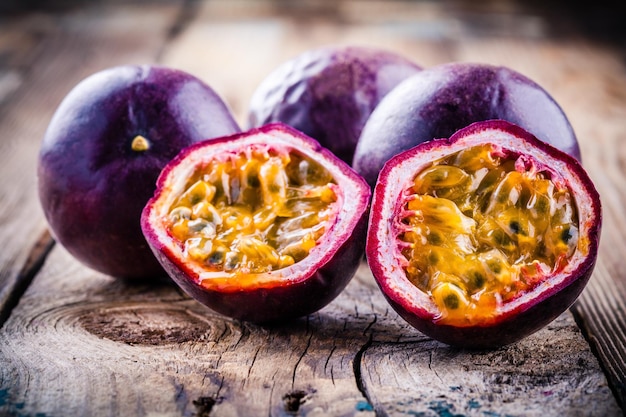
point(253, 211)
point(481, 226)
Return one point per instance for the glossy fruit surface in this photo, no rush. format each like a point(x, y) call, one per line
point(483, 238)
point(329, 93)
point(103, 151)
point(265, 225)
point(440, 100)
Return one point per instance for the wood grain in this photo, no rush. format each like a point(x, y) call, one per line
point(80, 343)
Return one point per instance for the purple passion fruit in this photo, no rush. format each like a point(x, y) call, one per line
point(438, 101)
point(329, 93)
point(261, 226)
point(483, 238)
point(103, 151)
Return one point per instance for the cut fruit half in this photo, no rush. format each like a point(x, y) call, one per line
point(261, 226)
point(483, 238)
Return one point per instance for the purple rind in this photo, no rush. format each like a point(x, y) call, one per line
point(438, 101)
point(533, 310)
point(328, 93)
point(93, 186)
point(296, 291)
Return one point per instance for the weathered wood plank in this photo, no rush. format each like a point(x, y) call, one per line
point(550, 373)
point(95, 346)
point(81, 343)
point(46, 55)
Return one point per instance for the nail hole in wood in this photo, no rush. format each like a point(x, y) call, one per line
point(204, 405)
point(293, 401)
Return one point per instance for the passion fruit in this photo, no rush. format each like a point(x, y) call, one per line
point(261, 226)
point(438, 101)
point(328, 93)
point(103, 151)
point(483, 238)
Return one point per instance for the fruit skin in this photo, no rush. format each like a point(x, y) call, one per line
point(440, 100)
point(287, 293)
point(328, 93)
point(532, 310)
point(93, 186)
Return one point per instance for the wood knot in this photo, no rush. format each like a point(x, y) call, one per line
point(145, 324)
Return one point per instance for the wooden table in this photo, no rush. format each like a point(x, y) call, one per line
point(74, 342)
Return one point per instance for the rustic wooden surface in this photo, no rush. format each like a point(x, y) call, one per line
point(74, 342)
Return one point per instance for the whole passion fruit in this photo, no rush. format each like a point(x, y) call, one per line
point(261, 226)
point(103, 151)
point(328, 93)
point(438, 101)
point(483, 238)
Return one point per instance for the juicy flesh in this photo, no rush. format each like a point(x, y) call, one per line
point(481, 227)
point(254, 211)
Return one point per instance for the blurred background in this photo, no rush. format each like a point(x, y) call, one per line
point(233, 44)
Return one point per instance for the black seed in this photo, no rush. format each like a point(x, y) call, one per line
point(438, 176)
point(433, 258)
point(451, 301)
point(216, 258)
point(566, 235)
point(253, 180)
point(514, 226)
point(434, 238)
point(478, 280)
point(501, 238)
point(495, 267)
point(231, 262)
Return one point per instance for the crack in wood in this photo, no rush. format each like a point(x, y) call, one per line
point(356, 365)
point(371, 323)
point(33, 263)
point(332, 350)
point(430, 363)
point(618, 388)
point(254, 357)
point(295, 367)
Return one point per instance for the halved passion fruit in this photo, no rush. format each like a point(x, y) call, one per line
point(262, 226)
point(483, 238)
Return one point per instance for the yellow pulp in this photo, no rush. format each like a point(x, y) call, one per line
point(254, 211)
point(481, 228)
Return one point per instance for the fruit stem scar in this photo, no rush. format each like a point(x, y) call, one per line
point(140, 144)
